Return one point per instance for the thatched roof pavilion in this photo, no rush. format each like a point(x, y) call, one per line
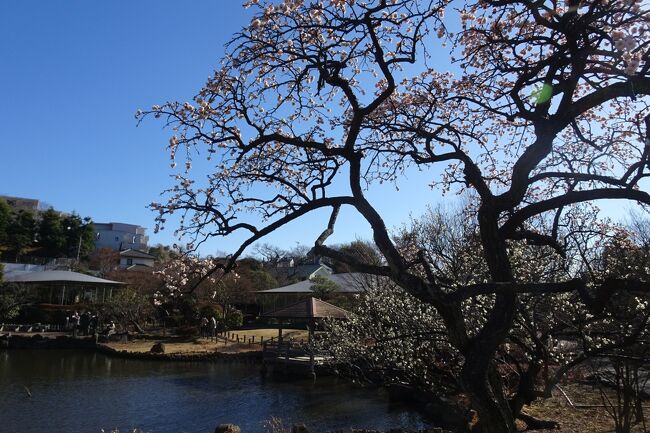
point(311, 308)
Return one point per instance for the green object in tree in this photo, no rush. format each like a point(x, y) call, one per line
point(543, 95)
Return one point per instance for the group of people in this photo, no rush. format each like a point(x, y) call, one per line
point(87, 323)
point(209, 328)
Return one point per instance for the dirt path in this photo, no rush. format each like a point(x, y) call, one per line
point(576, 420)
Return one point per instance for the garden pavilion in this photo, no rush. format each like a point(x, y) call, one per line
point(64, 287)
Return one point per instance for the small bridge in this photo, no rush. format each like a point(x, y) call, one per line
point(288, 354)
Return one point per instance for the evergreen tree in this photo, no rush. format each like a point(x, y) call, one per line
point(79, 235)
point(51, 237)
point(323, 288)
point(5, 221)
point(21, 232)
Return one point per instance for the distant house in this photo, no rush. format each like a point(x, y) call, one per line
point(120, 236)
point(286, 270)
point(132, 259)
point(300, 272)
point(20, 203)
point(285, 262)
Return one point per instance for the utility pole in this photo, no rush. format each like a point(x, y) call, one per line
point(79, 243)
point(79, 247)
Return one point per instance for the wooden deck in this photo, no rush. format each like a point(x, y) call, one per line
point(292, 355)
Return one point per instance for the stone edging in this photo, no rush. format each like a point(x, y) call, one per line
point(199, 357)
point(65, 342)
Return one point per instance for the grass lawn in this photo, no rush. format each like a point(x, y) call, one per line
point(196, 345)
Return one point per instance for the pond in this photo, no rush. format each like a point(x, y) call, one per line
point(85, 391)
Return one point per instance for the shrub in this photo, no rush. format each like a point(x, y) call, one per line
point(34, 314)
point(209, 311)
point(233, 318)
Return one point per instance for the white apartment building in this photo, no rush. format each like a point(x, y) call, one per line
point(120, 236)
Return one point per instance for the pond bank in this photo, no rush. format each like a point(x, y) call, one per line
point(137, 349)
point(248, 356)
point(276, 425)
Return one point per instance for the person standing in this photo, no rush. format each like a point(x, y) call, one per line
point(213, 328)
point(204, 327)
point(84, 322)
point(75, 323)
point(93, 324)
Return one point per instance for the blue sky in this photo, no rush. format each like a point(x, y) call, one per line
point(74, 73)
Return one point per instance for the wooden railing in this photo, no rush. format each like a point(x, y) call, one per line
point(15, 327)
point(286, 349)
point(235, 337)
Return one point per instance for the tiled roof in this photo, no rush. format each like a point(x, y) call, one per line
point(311, 308)
point(139, 266)
point(346, 282)
point(55, 276)
point(136, 254)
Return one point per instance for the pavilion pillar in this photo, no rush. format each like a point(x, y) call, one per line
point(310, 329)
point(310, 337)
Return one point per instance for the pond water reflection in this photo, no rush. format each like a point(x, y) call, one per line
point(84, 391)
